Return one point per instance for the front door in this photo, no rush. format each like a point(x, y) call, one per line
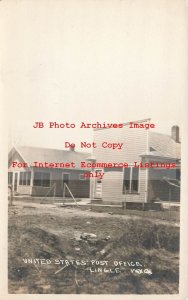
point(65, 180)
point(98, 187)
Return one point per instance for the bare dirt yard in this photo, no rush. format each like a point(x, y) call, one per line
point(69, 250)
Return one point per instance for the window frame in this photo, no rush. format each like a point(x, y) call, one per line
point(24, 179)
point(130, 191)
point(41, 179)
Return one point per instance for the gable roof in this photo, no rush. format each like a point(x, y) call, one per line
point(164, 146)
point(36, 154)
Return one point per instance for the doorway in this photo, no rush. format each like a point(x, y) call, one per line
point(98, 187)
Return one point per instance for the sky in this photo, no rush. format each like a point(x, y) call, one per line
point(107, 61)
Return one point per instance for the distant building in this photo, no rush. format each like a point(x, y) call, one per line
point(140, 146)
point(37, 181)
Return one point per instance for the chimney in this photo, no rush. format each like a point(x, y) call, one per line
point(175, 133)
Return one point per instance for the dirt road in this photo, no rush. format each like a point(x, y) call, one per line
point(71, 250)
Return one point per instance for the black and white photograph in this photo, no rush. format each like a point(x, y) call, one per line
point(94, 104)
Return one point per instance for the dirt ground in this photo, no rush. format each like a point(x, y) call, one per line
point(69, 250)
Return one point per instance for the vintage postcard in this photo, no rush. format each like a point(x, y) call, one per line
point(94, 122)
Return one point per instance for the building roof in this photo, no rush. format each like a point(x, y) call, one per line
point(36, 154)
point(161, 145)
point(164, 146)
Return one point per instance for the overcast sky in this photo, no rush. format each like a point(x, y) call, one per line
point(90, 61)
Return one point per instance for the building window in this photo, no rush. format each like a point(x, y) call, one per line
point(131, 180)
point(126, 180)
point(10, 176)
point(41, 179)
point(25, 178)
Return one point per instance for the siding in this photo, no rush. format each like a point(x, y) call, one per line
point(112, 187)
point(24, 190)
point(79, 188)
point(16, 157)
point(112, 184)
point(134, 144)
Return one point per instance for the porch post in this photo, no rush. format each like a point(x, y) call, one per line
point(31, 181)
point(92, 159)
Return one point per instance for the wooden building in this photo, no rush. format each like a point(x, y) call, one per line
point(27, 179)
point(141, 147)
